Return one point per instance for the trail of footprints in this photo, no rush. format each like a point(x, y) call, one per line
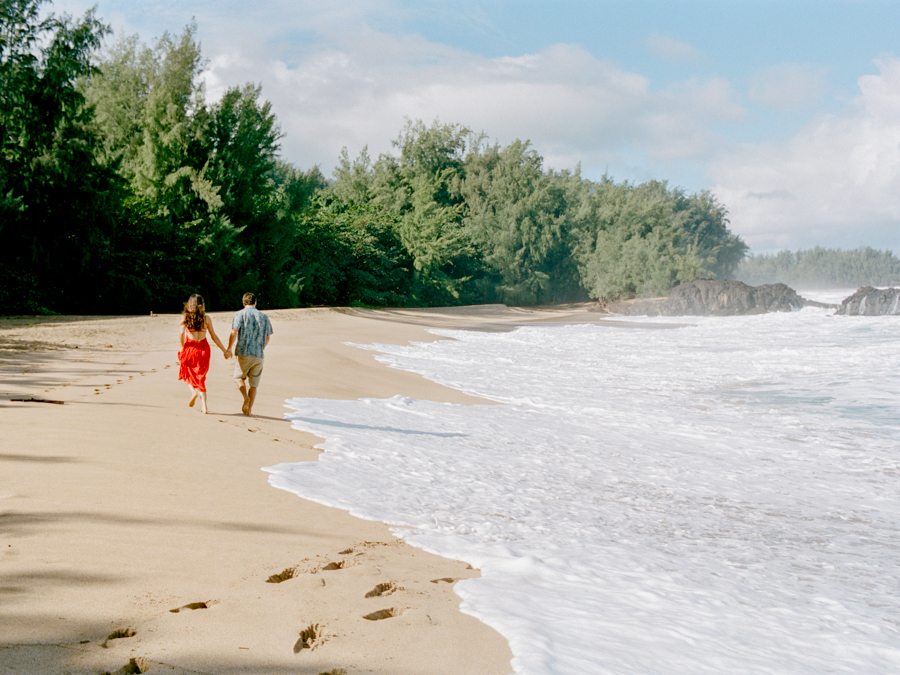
point(138, 664)
point(106, 387)
point(315, 634)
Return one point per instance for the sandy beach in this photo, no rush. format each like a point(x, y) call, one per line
point(139, 535)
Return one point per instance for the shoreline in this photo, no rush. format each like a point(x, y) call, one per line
point(124, 505)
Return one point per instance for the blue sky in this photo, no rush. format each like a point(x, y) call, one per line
point(789, 112)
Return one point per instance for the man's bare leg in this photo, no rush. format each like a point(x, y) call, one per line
point(242, 387)
point(251, 398)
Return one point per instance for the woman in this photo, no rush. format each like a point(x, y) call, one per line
point(194, 354)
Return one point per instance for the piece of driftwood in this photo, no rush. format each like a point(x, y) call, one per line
point(36, 400)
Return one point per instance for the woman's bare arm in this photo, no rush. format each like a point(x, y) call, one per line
point(212, 334)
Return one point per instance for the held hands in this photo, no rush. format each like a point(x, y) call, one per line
point(227, 354)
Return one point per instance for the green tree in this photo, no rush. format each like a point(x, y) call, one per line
point(633, 241)
point(351, 254)
point(422, 189)
point(58, 204)
point(708, 237)
point(520, 219)
point(353, 180)
point(183, 162)
point(242, 163)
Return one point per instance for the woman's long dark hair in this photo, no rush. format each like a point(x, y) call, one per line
point(194, 314)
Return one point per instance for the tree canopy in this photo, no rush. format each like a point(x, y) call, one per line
point(57, 200)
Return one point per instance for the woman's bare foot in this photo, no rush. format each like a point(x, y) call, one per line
point(193, 400)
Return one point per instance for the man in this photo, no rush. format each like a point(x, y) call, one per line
point(250, 330)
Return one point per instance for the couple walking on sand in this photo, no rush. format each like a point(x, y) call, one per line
point(250, 333)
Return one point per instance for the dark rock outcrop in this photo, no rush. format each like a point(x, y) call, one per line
point(868, 301)
point(717, 298)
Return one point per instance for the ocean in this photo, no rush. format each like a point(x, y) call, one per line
point(678, 496)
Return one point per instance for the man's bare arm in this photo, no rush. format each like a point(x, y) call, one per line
point(231, 340)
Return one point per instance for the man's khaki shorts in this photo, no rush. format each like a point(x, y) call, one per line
point(248, 368)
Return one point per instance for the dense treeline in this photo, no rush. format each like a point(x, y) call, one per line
point(484, 223)
point(822, 268)
point(123, 189)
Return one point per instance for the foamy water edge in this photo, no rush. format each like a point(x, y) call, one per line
point(653, 560)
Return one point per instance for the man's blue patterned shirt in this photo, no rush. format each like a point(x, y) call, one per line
point(253, 328)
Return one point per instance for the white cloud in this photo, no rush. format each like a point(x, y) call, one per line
point(356, 88)
point(670, 49)
point(788, 86)
point(835, 183)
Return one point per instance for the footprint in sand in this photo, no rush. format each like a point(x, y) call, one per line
point(310, 638)
point(383, 589)
point(136, 665)
point(382, 614)
point(192, 605)
point(316, 566)
point(289, 573)
point(118, 635)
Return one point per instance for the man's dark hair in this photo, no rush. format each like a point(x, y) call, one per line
point(249, 299)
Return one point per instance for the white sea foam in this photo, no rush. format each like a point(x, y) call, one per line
point(721, 496)
point(831, 295)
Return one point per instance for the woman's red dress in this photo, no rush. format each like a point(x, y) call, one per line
point(194, 360)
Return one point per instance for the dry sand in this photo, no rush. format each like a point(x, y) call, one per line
point(137, 534)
